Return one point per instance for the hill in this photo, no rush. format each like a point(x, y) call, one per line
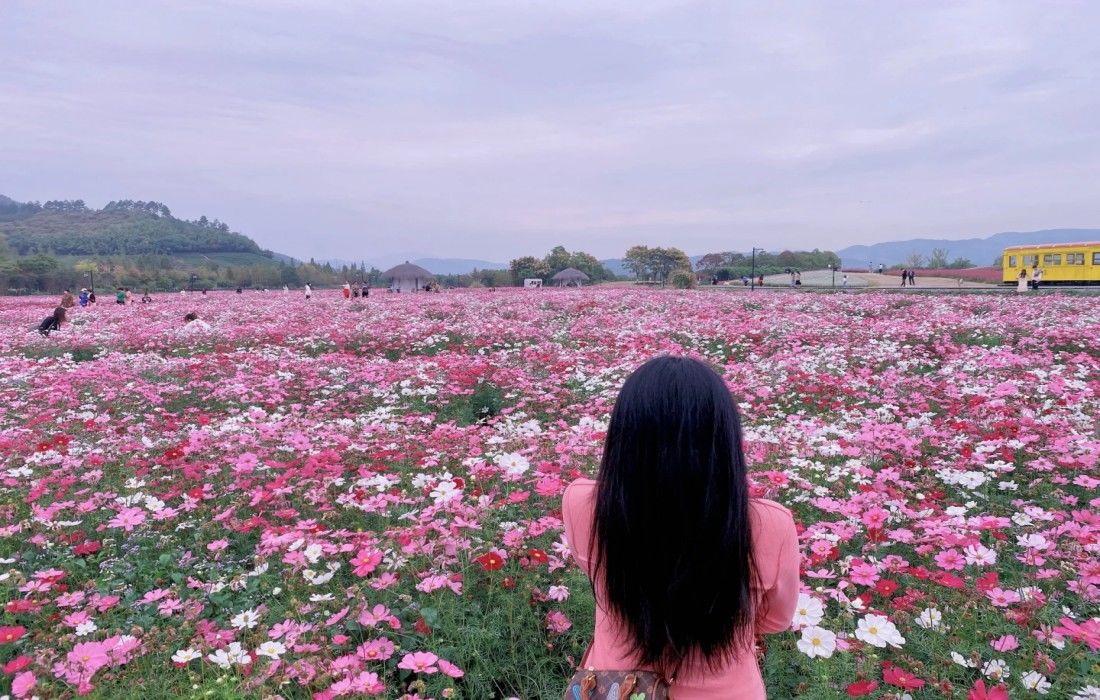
point(980, 251)
point(65, 243)
point(121, 228)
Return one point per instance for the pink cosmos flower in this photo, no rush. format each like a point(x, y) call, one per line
point(23, 684)
point(128, 519)
point(951, 560)
point(419, 662)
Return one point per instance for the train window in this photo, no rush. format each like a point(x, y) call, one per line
point(1096, 258)
point(1075, 258)
point(1033, 260)
point(1052, 259)
point(1012, 261)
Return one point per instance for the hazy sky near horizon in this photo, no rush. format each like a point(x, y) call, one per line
point(491, 129)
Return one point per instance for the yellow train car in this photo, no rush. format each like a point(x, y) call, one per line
point(1061, 263)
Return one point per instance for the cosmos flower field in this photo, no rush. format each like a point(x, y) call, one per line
point(345, 498)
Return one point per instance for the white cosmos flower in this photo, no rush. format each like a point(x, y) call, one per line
point(1088, 692)
point(878, 631)
point(817, 642)
point(931, 619)
point(248, 618)
point(808, 612)
point(1033, 680)
point(996, 669)
point(220, 658)
point(185, 655)
point(444, 491)
point(962, 660)
point(272, 650)
point(513, 464)
point(86, 628)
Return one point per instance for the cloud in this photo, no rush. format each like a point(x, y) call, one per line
point(504, 128)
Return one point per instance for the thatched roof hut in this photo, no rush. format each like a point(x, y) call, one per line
point(570, 277)
point(407, 277)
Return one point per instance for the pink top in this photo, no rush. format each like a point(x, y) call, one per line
point(775, 547)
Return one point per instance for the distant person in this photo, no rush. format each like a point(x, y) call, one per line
point(346, 290)
point(145, 298)
point(365, 291)
point(129, 297)
point(67, 300)
point(309, 292)
point(83, 298)
point(204, 291)
point(844, 282)
point(239, 290)
point(881, 268)
point(193, 323)
point(1038, 277)
point(904, 277)
point(286, 289)
point(52, 322)
point(1021, 281)
point(797, 278)
point(91, 297)
point(912, 278)
point(120, 296)
point(760, 281)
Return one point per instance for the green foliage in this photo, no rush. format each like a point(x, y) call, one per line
point(655, 264)
point(558, 259)
point(683, 279)
point(730, 265)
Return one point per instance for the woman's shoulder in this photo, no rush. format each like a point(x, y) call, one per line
point(771, 517)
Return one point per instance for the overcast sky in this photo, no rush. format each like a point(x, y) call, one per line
point(494, 129)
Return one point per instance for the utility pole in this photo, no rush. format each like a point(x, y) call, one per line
point(752, 282)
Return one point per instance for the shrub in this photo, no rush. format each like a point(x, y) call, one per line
point(683, 279)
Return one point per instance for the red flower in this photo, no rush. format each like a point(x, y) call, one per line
point(861, 688)
point(422, 627)
point(11, 634)
point(987, 581)
point(886, 587)
point(979, 692)
point(537, 555)
point(17, 664)
point(20, 606)
point(86, 548)
point(490, 561)
point(901, 678)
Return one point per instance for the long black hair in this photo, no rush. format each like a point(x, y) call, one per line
point(672, 539)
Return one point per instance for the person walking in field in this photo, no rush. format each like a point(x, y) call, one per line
point(83, 298)
point(309, 292)
point(844, 282)
point(687, 568)
point(67, 300)
point(912, 278)
point(904, 277)
point(347, 290)
point(52, 322)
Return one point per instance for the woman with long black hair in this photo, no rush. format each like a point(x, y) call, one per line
point(687, 568)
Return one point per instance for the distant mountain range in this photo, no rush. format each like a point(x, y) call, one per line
point(980, 251)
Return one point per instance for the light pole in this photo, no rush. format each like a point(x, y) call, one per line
point(833, 268)
point(90, 274)
point(192, 283)
point(752, 282)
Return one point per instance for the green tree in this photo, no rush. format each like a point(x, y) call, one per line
point(962, 264)
point(938, 259)
point(637, 259)
point(527, 267)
